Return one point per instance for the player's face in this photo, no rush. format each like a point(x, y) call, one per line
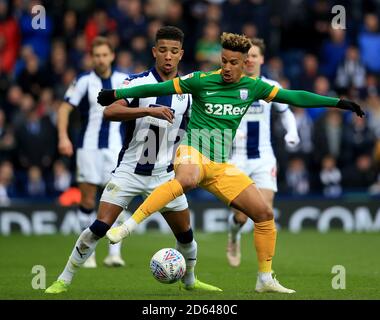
point(232, 65)
point(168, 53)
point(102, 57)
point(253, 62)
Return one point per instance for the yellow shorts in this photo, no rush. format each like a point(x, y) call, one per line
point(224, 180)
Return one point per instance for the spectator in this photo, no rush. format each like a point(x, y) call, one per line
point(208, 47)
point(7, 186)
point(61, 179)
point(7, 141)
point(360, 175)
point(369, 43)
point(36, 140)
point(9, 39)
point(100, 24)
point(297, 177)
point(38, 38)
point(36, 186)
point(309, 73)
point(322, 87)
point(124, 62)
point(330, 177)
point(332, 52)
point(351, 71)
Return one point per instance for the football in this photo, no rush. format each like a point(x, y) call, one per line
point(168, 265)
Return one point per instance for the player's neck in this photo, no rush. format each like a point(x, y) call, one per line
point(169, 76)
point(104, 75)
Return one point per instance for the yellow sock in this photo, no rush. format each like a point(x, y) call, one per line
point(158, 199)
point(265, 242)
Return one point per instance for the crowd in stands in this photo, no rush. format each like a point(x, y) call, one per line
point(338, 153)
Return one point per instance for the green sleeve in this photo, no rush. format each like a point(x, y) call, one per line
point(264, 90)
point(189, 83)
point(147, 90)
point(306, 99)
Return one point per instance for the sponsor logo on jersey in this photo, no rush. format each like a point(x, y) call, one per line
point(188, 76)
point(224, 109)
point(244, 94)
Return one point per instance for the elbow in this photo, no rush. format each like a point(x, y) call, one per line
point(107, 113)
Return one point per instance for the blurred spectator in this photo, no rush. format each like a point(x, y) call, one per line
point(58, 64)
point(357, 139)
point(333, 51)
point(309, 73)
point(33, 78)
point(351, 71)
point(35, 186)
point(7, 185)
point(100, 24)
point(327, 138)
point(7, 141)
point(369, 43)
point(373, 103)
point(274, 69)
point(38, 38)
point(61, 179)
point(360, 174)
point(140, 51)
point(12, 101)
point(36, 140)
point(330, 177)
point(124, 62)
point(130, 20)
point(297, 177)
point(208, 47)
point(9, 39)
point(322, 87)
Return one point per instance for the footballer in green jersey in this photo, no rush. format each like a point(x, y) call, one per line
point(220, 100)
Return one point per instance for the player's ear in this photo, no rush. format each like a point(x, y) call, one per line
point(154, 50)
point(181, 54)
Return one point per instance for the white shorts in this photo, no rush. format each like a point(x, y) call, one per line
point(263, 171)
point(95, 166)
point(121, 189)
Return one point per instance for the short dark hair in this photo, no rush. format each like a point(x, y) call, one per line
point(258, 42)
point(235, 42)
point(170, 33)
point(99, 41)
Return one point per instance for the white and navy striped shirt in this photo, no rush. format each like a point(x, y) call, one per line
point(149, 149)
point(96, 132)
point(253, 137)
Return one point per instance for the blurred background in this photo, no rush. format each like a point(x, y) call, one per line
point(339, 153)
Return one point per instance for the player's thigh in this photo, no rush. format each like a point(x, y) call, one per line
point(268, 196)
point(225, 181)
point(89, 169)
point(109, 162)
point(178, 221)
point(264, 173)
point(122, 188)
point(252, 203)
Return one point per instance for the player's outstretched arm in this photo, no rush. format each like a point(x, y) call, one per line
point(120, 111)
point(307, 99)
point(107, 97)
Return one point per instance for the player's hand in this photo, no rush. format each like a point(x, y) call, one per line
point(162, 113)
point(292, 139)
point(350, 105)
point(106, 97)
point(65, 147)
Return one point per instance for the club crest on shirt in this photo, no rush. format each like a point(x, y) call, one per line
point(180, 97)
point(243, 94)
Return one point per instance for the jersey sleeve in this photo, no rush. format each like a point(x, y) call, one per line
point(278, 106)
point(129, 83)
point(264, 90)
point(189, 83)
point(76, 91)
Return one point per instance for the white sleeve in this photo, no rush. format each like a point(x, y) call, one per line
point(76, 91)
point(289, 121)
point(128, 83)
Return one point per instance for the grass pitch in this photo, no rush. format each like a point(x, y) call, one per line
point(303, 262)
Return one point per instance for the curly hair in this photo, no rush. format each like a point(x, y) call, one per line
point(235, 42)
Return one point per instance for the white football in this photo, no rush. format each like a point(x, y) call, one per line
point(168, 265)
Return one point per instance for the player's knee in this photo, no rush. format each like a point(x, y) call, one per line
point(187, 182)
point(87, 202)
point(265, 214)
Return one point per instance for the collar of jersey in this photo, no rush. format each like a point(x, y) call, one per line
point(156, 74)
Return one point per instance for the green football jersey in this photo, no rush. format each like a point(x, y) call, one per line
point(217, 109)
